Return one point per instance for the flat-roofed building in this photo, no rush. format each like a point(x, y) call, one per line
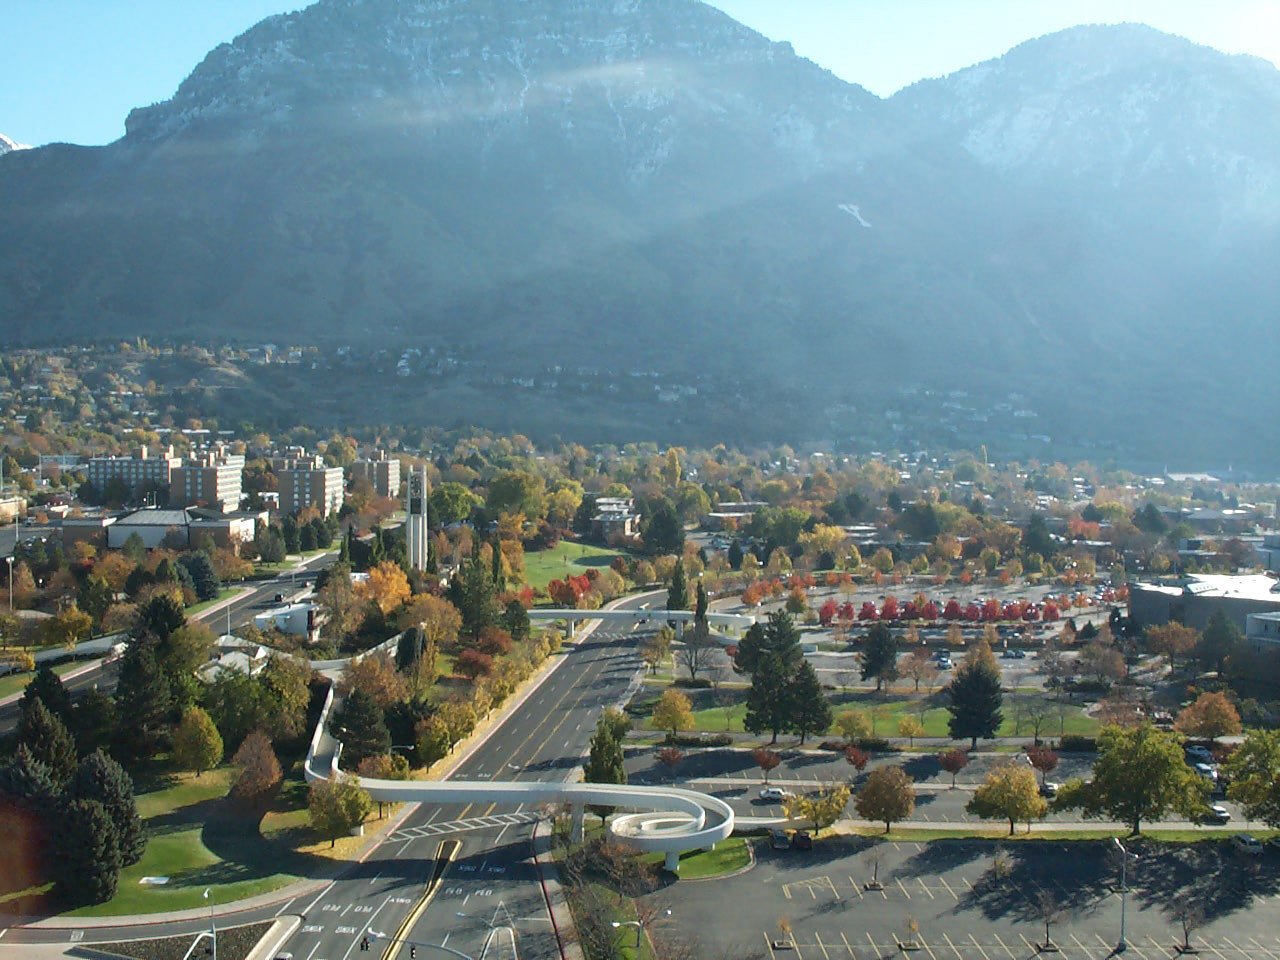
point(213, 479)
point(382, 472)
point(135, 472)
point(1193, 599)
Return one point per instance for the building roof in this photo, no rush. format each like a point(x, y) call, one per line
point(156, 518)
point(1254, 586)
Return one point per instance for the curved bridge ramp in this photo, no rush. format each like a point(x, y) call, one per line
point(669, 820)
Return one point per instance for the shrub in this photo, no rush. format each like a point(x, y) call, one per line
point(702, 683)
point(701, 740)
point(1075, 743)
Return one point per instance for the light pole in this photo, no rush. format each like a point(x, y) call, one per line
point(619, 924)
point(213, 927)
point(1125, 857)
point(9, 560)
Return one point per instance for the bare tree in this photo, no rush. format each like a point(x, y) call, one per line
point(1190, 914)
point(1050, 913)
point(697, 651)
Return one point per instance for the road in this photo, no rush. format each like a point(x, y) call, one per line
point(492, 881)
point(239, 612)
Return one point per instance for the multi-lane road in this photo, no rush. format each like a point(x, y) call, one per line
point(491, 887)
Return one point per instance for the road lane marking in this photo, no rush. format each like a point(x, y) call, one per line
point(319, 897)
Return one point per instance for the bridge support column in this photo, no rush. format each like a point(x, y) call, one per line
point(672, 863)
point(577, 827)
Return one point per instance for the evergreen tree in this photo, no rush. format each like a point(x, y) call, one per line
point(409, 650)
point(203, 576)
point(735, 555)
point(143, 697)
point(515, 620)
point(750, 649)
point(495, 565)
point(26, 781)
point(975, 703)
point(700, 605)
point(46, 686)
point(100, 779)
point(1220, 640)
point(678, 592)
point(663, 530)
point(93, 722)
point(810, 711)
point(880, 656)
point(783, 639)
point(768, 701)
point(344, 551)
point(360, 725)
point(94, 597)
point(84, 853)
point(477, 598)
point(158, 618)
point(47, 739)
point(604, 762)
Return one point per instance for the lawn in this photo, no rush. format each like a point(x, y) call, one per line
point(886, 710)
point(200, 840)
point(203, 605)
point(565, 559)
point(729, 856)
point(17, 682)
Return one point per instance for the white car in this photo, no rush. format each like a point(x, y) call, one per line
point(1246, 843)
point(774, 793)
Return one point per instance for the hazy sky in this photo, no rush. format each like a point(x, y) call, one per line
point(71, 70)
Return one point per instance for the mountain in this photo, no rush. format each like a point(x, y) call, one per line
point(8, 146)
point(653, 188)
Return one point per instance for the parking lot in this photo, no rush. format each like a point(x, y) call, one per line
point(984, 900)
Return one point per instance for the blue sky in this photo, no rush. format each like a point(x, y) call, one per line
point(70, 70)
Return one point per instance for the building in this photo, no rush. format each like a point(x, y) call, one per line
point(1193, 599)
point(1269, 551)
point(415, 524)
point(382, 472)
point(307, 482)
point(1262, 631)
point(615, 517)
point(298, 619)
point(136, 472)
point(12, 508)
point(732, 514)
point(213, 479)
point(176, 528)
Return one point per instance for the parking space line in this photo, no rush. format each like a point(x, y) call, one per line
point(1233, 946)
point(857, 888)
point(928, 949)
point(769, 946)
point(954, 948)
point(874, 952)
point(903, 889)
point(1012, 955)
point(821, 945)
point(1266, 950)
point(1083, 948)
point(981, 949)
point(848, 946)
point(920, 881)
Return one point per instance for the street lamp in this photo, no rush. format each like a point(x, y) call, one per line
point(213, 927)
point(9, 559)
point(1125, 857)
point(617, 925)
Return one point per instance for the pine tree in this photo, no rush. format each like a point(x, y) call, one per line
point(604, 762)
point(810, 711)
point(360, 725)
point(47, 739)
point(93, 722)
point(84, 853)
point(26, 781)
point(197, 745)
point(143, 696)
point(477, 598)
point(203, 576)
point(768, 701)
point(159, 617)
point(735, 555)
point(975, 703)
point(751, 648)
point(515, 620)
point(678, 592)
point(700, 605)
point(100, 779)
point(47, 686)
point(880, 656)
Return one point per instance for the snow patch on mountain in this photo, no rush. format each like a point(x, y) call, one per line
point(8, 145)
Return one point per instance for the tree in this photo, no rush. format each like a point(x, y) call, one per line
point(203, 576)
point(857, 758)
point(476, 596)
point(854, 725)
point(102, 780)
point(670, 757)
point(85, 853)
point(768, 700)
point(518, 491)
point(698, 648)
point(360, 725)
point(67, 627)
point(46, 686)
point(26, 782)
point(663, 531)
point(1211, 715)
point(375, 674)
point(1220, 640)
point(919, 668)
point(1254, 768)
point(259, 770)
point(910, 727)
point(1173, 641)
point(678, 591)
point(888, 795)
point(93, 722)
point(337, 807)
point(386, 585)
point(1043, 759)
point(1101, 661)
point(766, 760)
point(975, 700)
point(1139, 775)
point(953, 761)
point(47, 740)
point(880, 656)
point(822, 808)
point(809, 711)
point(197, 745)
point(673, 712)
point(655, 648)
point(473, 664)
point(515, 620)
point(1009, 792)
point(604, 762)
point(337, 600)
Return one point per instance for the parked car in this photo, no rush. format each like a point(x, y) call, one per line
point(1206, 771)
point(1217, 814)
point(1198, 754)
point(800, 840)
point(1049, 789)
point(774, 793)
point(1247, 843)
point(779, 840)
point(1273, 844)
point(944, 663)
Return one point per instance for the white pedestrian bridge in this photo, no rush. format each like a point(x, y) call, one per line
point(665, 820)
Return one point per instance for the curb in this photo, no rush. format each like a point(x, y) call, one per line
point(275, 938)
point(557, 906)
